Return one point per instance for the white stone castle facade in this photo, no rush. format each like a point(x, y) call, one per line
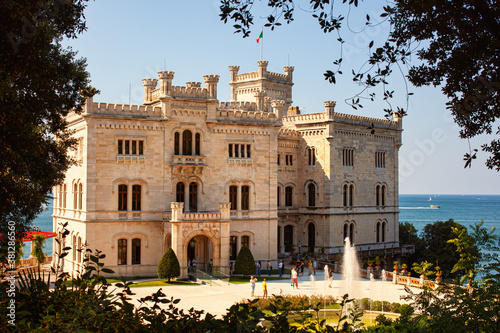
point(205, 177)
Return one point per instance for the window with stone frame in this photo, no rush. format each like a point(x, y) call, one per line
point(122, 197)
point(136, 251)
point(289, 159)
point(289, 196)
point(245, 241)
point(122, 251)
point(233, 197)
point(380, 159)
point(136, 197)
point(348, 157)
point(245, 197)
point(130, 147)
point(239, 150)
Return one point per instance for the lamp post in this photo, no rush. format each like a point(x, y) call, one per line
point(299, 244)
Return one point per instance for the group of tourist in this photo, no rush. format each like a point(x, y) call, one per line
point(252, 285)
point(269, 267)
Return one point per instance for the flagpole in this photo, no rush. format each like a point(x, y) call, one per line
point(261, 44)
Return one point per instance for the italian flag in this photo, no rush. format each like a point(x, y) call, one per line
point(260, 36)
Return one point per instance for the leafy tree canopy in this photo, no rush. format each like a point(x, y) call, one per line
point(245, 263)
point(457, 44)
point(169, 267)
point(40, 82)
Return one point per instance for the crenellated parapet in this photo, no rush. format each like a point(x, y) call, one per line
point(286, 132)
point(306, 118)
point(240, 106)
point(364, 121)
point(189, 92)
point(125, 110)
point(211, 85)
point(246, 117)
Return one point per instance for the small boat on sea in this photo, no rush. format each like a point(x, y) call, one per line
point(430, 199)
point(434, 206)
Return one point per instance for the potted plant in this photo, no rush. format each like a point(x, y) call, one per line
point(377, 261)
point(438, 272)
point(396, 263)
point(404, 266)
point(370, 263)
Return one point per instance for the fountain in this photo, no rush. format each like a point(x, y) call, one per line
point(350, 269)
point(313, 281)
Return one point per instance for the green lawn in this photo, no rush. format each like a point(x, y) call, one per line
point(157, 283)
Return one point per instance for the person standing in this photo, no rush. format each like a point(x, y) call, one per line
point(280, 268)
point(264, 288)
point(258, 267)
point(269, 267)
point(294, 278)
point(314, 266)
point(309, 267)
point(252, 285)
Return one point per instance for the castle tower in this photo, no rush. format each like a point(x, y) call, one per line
point(166, 78)
point(149, 86)
point(259, 97)
point(233, 70)
point(211, 85)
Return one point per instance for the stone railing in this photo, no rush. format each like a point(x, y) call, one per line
point(304, 118)
point(189, 160)
point(364, 121)
point(246, 116)
point(243, 106)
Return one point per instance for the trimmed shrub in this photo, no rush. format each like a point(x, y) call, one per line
point(245, 263)
point(168, 267)
point(376, 306)
point(395, 307)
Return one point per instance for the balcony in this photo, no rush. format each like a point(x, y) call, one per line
point(240, 161)
point(130, 158)
point(188, 164)
point(188, 160)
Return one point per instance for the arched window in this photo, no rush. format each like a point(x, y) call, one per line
point(351, 233)
point(233, 247)
point(383, 195)
point(122, 251)
point(187, 142)
point(345, 191)
point(311, 154)
point(179, 192)
point(197, 150)
point(80, 196)
point(136, 197)
point(383, 231)
point(377, 195)
point(136, 251)
point(79, 249)
point(378, 232)
point(288, 196)
point(346, 229)
point(233, 197)
point(351, 195)
point(74, 248)
point(311, 189)
point(245, 241)
point(177, 143)
point(122, 197)
point(278, 197)
point(75, 196)
point(245, 197)
point(193, 197)
point(311, 236)
point(64, 196)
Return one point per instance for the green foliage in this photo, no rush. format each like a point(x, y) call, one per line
point(39, 243)
point(169, 267)
point(40, 82)
point(423, 268)
point(245, 263)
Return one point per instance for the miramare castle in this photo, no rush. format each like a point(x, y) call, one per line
point(205, 177)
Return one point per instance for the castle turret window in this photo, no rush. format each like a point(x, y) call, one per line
point(380, 159)
point(348, 157)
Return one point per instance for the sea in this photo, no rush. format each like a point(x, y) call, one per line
point(465, 209)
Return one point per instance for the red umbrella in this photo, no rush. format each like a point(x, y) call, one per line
point(30, 235)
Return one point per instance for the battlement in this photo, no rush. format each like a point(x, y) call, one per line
point(246, 116)
point(288, 132)
point(189, 92)
point(304, 118)
point(364, 121)
point(125, 110)
point(242, 106)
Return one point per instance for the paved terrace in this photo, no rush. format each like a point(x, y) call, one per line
point(216, 299)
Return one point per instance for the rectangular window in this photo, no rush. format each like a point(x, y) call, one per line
point(127, 148)
point(236, 152)
point(136, 251)
point(288, 196)
point(245, 197)
point(134, 147)
point(289, 159)
point(122, 252)
point(279, 159)
point(122, 197)
point(233, 197)
point(230, 150)
point(248, 152)
point(348, 156)
point(380, 159)
point(245, 241)
point(141, 147)
point(120, 146)
point(242, 147)
point(136, 197)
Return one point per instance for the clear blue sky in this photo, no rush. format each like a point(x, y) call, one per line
point(127, 41)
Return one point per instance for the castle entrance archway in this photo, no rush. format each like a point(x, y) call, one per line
point(201, 249)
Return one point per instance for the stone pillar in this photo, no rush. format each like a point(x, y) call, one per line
point(293, 111)
point(225, 213)
point(267, 104)
point(330, 114)
point(289, 73)
point(149, 86)
point(87, 108)
point(211, 85)
point(277, 106)
point(259, 96)
point(395, 277)
point(398, 119)
point(177, 214)
point(166, 78)
point(262, 68)
point(233, 70)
